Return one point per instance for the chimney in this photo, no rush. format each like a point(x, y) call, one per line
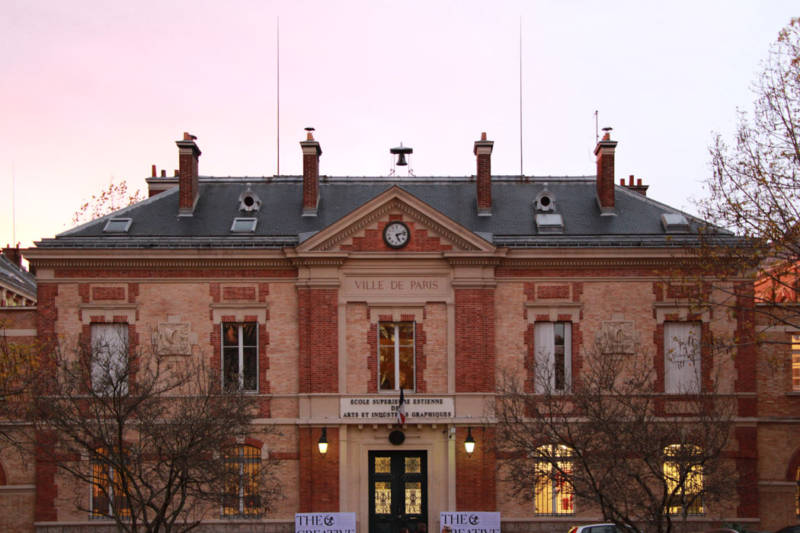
point(483, 151)
point(13, 255)
point(188, 188)
point(311, 153)
point(605, 173)
point(638, 187)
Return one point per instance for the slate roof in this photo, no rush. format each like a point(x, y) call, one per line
point(16, 278)
point(156, 224)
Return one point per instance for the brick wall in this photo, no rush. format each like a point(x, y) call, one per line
point(319, 340)
point(319, 474)
point(474, 324)
point(476, 473)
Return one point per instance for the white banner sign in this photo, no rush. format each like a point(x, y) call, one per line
point(385, 408)
point(325, 522)
point(470, 522)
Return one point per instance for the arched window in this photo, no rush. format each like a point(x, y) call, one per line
point(683, 474)
point(553, 492)
point(242, 493)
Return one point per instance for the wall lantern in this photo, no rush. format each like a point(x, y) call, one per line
point(469, 443)
point(322, 443)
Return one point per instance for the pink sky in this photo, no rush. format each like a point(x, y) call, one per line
point(97, 91)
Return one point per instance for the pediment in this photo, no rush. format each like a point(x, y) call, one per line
point(362, 229)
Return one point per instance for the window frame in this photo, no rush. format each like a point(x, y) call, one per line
point(241, 347)
point(549, 361)
point(549, 489)
point(105, 488)
point(694, 476)
point(245, 454)
point(397, 355)
point(116, 354)
point(673, 381)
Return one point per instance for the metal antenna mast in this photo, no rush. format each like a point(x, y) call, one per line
point(521, 173)
point(278, 83)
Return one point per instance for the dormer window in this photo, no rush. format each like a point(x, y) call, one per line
point(244, 225)
point(117, 225)
point(249, 201)
point(547, 220)
point(674, 223)
point(545, 202)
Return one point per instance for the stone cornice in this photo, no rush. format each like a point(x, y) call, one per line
point(163, 263)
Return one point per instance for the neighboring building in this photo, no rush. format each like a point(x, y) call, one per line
point(333, 293)
point(17, 285)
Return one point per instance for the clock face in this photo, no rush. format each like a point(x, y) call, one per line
point(396, 234)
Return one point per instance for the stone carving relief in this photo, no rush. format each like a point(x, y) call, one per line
point(173, 339)
point(617, 336)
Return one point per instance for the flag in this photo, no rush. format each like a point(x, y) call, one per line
point(401, 409)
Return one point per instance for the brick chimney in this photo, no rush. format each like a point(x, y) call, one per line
point(13, 254)
point(638, 187)
point(483, 151)
point(605, 173)
point(188, 188)
point(311, 153)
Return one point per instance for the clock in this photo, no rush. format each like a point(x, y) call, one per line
point(396, 234)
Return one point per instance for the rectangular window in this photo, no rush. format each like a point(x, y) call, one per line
point(796, 363)
point(396, 356)
point(553, 356)
point(107, 497)
point(242, 496)
point(553, 492)
point(240, 356)
point(684, 476)
point(109, 364)
point(682, 357)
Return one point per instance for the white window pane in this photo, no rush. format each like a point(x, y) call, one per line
point(682, 357)
point(544, 340)
point(109, 357)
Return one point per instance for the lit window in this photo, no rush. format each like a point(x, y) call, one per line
point(553, 492)
point(553, 355)
point(110, 359)
point(240, 356)
point(244, 225)
point(682, 357)
point(107, 497)
point(241, 498)
point(796, 363)
point(396, 355)
point(684, 476)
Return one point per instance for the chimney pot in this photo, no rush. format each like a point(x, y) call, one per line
point(622, 181)
point(13, 254)
point(630, 180)
point(483, 151)
point(639, 182)
point(153, 172)
point(163, 173)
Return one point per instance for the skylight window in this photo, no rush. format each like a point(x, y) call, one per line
point(674, 223)
point(117, 225)
point(244, 225)
point(549, 223)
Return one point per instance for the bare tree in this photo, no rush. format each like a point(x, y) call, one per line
point(108, 200)
point(754, 191)
point(18, 370)
point(155, 438)
point(611, 443)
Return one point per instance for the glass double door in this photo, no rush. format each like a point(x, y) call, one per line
point(398, 492)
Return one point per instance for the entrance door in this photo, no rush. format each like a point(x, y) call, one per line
point(398, 492)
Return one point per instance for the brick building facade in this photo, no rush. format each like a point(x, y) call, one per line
point(356, 288)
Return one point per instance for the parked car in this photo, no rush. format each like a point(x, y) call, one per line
point(597, 528)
